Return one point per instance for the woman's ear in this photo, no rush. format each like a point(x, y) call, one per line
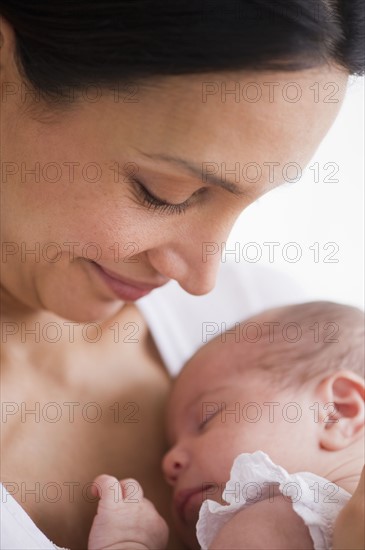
point(342, 411)
point(7, 38)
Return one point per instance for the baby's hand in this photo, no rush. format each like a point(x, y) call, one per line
point(125, 519)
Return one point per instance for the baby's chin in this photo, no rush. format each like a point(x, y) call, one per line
point(186, 520)
point(188, 535)
point(187, 528)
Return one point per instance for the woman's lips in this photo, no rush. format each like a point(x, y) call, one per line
point(124, 289)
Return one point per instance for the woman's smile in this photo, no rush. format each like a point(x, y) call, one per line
point(125, 289)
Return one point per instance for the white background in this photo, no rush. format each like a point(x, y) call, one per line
point(308, 212)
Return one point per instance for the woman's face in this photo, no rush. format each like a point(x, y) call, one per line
point(77, 180)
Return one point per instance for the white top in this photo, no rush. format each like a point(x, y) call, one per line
point(178, 322)
point(253, 477)
point(18, 531)
point(181, 323)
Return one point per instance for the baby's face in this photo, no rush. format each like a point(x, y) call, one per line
point(217, 412)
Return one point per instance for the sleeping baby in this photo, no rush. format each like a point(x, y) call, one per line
point(266, 426)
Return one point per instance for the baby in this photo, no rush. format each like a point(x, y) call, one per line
point(266, 425)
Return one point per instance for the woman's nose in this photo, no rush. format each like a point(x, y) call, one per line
point(173, 464)
point(190, 252)
point(190, 265)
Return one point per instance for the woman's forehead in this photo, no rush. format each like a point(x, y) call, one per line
point(211, 121)
point(215, 125)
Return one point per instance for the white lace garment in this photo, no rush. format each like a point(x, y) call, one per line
point(254, 477)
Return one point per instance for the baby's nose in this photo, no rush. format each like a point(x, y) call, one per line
point(173, 463)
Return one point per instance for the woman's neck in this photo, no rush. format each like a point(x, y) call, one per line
point(30, 337)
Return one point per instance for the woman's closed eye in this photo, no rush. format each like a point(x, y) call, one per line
point(155, 203)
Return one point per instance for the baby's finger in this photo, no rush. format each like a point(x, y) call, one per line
point(108, 490)
point(132, 491)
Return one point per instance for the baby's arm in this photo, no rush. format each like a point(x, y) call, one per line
point(125, 519)
point(264, 525)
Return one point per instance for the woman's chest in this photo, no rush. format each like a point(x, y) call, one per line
point(57, 438)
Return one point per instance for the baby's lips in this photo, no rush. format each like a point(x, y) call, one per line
point(182, 499)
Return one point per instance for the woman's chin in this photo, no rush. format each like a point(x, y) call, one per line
point(77, 303)
point(79, 311)
point(71, 294)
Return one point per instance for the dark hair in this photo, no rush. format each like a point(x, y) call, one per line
point(74, 43)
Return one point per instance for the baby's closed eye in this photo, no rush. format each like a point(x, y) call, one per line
point(207, 414)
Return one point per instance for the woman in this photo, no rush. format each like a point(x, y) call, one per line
point(129, 135)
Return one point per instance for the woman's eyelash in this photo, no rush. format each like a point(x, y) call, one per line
point(154, 203)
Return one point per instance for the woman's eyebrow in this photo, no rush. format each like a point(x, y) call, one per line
point(197, 171)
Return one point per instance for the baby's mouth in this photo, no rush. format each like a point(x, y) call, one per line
point(187, 503)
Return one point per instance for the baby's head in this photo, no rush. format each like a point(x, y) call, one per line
point(289, 382)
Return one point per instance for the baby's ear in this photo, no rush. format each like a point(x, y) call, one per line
point(341, 409)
